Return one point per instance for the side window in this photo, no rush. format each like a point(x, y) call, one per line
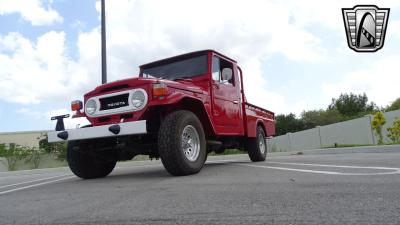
point(226, 72)
point(222, 71)
point(215, 69)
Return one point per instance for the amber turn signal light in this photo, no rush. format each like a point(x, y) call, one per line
point(76, 105)
point(160, 89)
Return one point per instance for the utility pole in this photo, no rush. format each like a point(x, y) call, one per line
point(103, 44)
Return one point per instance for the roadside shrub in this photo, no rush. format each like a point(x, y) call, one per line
point(377, 123)
point(33, 156)
point(394, 131)
point(12, 153)
point(59, 149)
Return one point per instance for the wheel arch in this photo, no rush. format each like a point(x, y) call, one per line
point(262, 125)
point(197, 107)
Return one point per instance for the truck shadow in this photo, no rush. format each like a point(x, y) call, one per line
point(146, 173)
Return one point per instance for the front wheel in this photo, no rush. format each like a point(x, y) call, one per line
point(257, 147)
point(84, 164)
point(181, 143)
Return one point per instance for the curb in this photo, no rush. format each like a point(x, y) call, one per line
point(348, 150)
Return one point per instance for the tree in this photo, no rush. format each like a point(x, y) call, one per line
point(394, 106)
point(288, 123)
point(350, 105)
point(321, 117)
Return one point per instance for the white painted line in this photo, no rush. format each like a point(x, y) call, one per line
point(35, 185)
point(324, 172)
point(334, 166)
point(32, 181)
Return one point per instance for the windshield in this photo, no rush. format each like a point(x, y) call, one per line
point(180, 69)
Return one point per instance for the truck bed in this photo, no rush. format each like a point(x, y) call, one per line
point(256, 114)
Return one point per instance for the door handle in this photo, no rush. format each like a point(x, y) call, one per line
point(236, 102)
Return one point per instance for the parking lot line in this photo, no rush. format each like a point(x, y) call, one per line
point(32, 181)
point(392, 172)
point(334, 166)
point(35, 185)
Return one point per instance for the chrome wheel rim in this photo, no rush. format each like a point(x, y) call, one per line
point(261, 143)
point(190, 143)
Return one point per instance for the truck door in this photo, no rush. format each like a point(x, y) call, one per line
point(227, 115)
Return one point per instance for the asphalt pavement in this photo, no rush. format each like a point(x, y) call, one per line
point(358, 188)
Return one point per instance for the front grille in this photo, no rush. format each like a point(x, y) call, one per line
point(114, 102)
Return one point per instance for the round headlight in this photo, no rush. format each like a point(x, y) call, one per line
point(90, 107)
point(139, 98)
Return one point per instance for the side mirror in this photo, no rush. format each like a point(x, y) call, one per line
point(226, 74)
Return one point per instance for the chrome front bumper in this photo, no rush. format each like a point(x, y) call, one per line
point(112, 130)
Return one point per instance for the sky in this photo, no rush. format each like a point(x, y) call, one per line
point(293, 53)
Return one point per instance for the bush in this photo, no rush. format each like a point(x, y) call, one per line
point(58, 148)
point(377, 123)
point(394, 131)
point(33, 155)
point(12, 153)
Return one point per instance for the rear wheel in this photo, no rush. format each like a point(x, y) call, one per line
point(84, 164)
point(257, 147)
point(181, 143)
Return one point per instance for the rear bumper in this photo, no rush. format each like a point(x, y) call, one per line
point(112, 130)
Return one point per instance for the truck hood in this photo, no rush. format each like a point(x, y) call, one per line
point(130, 83)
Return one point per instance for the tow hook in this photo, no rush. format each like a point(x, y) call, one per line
point(60, 121)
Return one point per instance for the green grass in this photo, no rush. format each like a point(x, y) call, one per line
point(357, 145)
point(347, 146)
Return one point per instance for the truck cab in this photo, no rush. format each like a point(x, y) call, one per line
point(178, 109)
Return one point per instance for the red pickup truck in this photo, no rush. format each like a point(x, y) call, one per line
point(179, 109)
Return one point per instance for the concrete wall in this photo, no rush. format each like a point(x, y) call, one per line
point(279, 144)
point(305, 139)
point(357, 131)
point(26, 138)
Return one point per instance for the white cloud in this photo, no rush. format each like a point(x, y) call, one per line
point(251, 32)
point(38, 71)
point(31, 10)
point(41, 70)
point(139, 31)
point(380, 82)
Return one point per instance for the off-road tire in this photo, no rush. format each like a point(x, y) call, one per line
point(85, 165)
point(253, 146)
point(170, 143)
